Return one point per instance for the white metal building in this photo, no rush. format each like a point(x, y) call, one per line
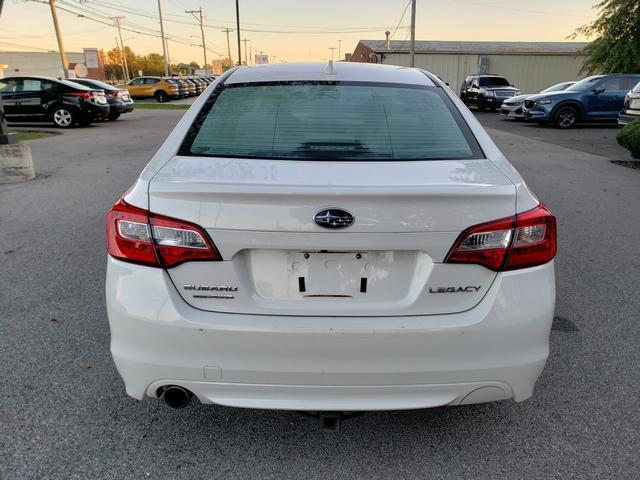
point(530, 66)
point(48, 64)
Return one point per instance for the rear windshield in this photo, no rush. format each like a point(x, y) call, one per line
point(494, 82)
point(331, 121)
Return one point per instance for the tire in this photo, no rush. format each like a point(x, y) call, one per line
point(113, 116)
point(161, 96)
point(62, 117)
point(565, 117)
point(480, 104)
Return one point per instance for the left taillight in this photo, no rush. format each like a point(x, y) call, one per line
point(138, 236)
point(524, 240)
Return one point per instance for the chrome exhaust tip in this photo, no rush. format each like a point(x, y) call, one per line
point(176, 397)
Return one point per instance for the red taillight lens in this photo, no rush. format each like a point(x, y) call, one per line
point(178, 241)
point(86, 95)
point(524, 240)
point(137, 236)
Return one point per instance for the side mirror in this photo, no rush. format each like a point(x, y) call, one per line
point(598, 91)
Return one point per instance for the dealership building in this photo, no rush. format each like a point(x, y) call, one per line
point(530, 66)
point(88, 63)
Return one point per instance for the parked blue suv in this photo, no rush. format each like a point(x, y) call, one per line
point(598, 98)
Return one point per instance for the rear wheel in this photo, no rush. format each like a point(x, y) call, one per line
point(566, 117)
point(63, 117)
point(161, 96)
point(480, 104)
point(113, 116)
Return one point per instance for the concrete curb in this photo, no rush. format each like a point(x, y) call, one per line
point(16, 164)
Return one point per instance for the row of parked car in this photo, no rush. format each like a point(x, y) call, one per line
point(64, 102)
point(81, 101)
point(599, 98)
point(167, 88)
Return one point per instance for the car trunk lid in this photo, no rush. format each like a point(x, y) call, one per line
point(278, 260)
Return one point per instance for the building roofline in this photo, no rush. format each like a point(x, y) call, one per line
point(477, 48)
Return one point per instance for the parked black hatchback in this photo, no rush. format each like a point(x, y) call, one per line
point(118, 99)
point(486, 91)
point(44, 99)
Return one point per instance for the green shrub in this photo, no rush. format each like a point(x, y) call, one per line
point(629, 138)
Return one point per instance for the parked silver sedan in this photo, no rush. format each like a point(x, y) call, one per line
point(512, 107)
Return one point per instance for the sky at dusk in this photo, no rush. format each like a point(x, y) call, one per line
point(290, 30)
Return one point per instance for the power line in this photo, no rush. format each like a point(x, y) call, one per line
point(146, 13)
point(25, 46)
point(307, 31)
point(515, 9)
point(401, 18)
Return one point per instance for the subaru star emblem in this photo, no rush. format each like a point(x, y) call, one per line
point(334, 218)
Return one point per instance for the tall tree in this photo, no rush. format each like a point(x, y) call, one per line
point(616, 38)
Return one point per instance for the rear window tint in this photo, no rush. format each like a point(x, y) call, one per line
point(331, 121)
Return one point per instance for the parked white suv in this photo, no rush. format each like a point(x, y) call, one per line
point(330, 238)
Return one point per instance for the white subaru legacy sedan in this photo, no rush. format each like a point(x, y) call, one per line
point(330, 238)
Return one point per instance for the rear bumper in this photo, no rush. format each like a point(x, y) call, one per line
point(124, 107)
point(91, 111)
point(494, 351)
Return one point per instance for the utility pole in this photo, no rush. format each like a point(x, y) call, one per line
point(5, 137)
point(274, 59)
point(246, 57)
point(251, 54)
point(238, 31)
point(124, 76)
point(333, 49)
point(412, 45)
point(227, 30)
point(339, 50)
point(124, 55)
point(164, 45)
point(166, 40)
point(204, 46)
point(56, 25)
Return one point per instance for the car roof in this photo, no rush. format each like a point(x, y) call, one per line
point(319, 71)
point(68, 83)
point(35, 77)
point(92, 81)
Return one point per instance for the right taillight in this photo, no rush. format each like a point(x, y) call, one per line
point(138, 236)
point(524, 240)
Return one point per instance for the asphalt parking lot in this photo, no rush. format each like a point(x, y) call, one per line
point(64, 413)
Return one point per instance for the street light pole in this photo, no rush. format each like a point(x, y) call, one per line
point(412, 46)
point(164, 45)
point(238, 31)
point(56, 26)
